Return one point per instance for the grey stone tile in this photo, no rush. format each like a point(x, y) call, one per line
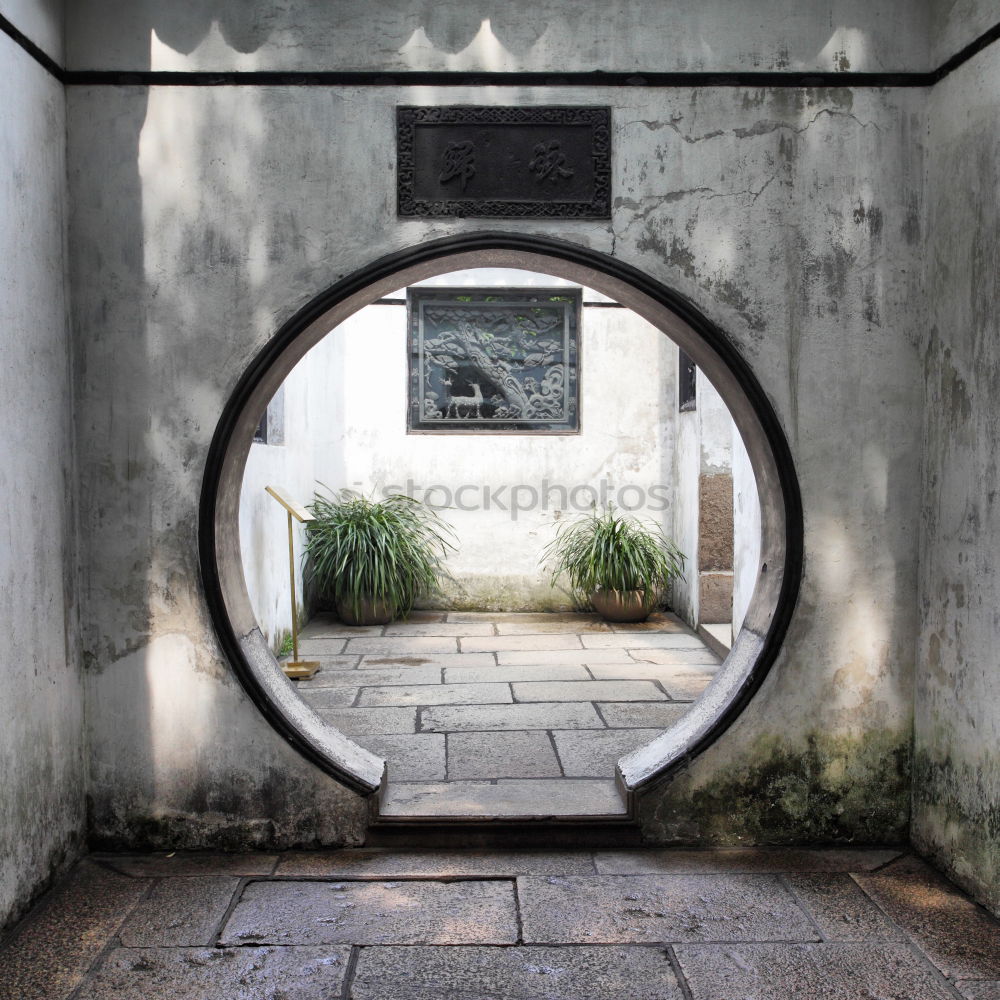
point(438, 694)
point(428, 660)
point(232, 973)
point(687, 687)
point(527, 797)
point(421, 645)
point(518, 657)
point(329, 697)
point(391, 863)
point(593, 753)
point(799, 971)
point(443, 628)
point(324, 647)
point(551, 628)
point(372, 677)
point(366, 913)
point(469, 718)
point(505, 643)
point(328, 663)
point(575, 973)
point(46, 955)
point(180, 912)
point(609, 909)
point(419, 616)
point(642, 715)
point(674, 657)
point(972, 990)
point(841, 910)
point(190, 863)
point(361, 721)
point(643, 640)
point(418, 757)
point(658, 621)
point(588, 691)
point(549, 672)
point(961, 939)
point(336, 630)
point(524, 617)
point(663, 673)
point(502, 755)
point(651, 861)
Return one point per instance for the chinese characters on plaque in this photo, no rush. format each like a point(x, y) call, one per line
point(551, 162)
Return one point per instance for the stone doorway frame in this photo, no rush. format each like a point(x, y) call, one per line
point(772, 604)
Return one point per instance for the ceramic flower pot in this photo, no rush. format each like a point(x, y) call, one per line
point(371, 611)
point(623, 605)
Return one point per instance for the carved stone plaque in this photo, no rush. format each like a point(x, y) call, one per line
point(496, 162)
point(493, 359)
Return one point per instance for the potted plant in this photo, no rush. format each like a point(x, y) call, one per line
point(616, 563)
point(374, 558)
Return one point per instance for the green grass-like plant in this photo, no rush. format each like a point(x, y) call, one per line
point(608, 550)
point(360, 549)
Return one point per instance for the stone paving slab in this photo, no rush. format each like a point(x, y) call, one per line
point(47, 955)
point(799, 971)
point(531, 973)
point(959, 937)
point(654, 623)
point(417, 757)
point(642, 715)
point(336, 630)
point(180, 912)
point(672, 657)
point(664, 673)
point(443, 629)
point(437, 694)
point(390, 863)
point(504, 799)
point(518, 657)
point(328, 663)
point(377, 662)
point(418, 645)
point(652, 861)
point(563, 691)
point(841, 910)
point(544, 617)
point(361, 721)
point(469, 718)
point(502, 755)
point(549, 672)
point(321, 647)
point(507, 643)
point(611, 909)
point(972, 990)
point(332, 696)
point(643, 640)
point(226, 974)
point(372, 677)
point(550, 628)
point(364, 913)
point(593, 753)
point(182, 863)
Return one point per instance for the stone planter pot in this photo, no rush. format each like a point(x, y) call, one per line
point(371, 611)
point(623, 605)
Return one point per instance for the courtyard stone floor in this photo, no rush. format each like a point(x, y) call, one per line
point(367, 924)
point(487, 714)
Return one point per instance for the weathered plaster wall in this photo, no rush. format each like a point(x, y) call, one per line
point(42, 21)
point(957, 773)
point(42, 771)
point(495, 35)
point(957, 23)
point(205, 216)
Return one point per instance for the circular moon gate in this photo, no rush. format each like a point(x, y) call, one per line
point(779, 573)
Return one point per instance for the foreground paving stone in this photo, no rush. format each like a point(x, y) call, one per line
point(593, 753)
point(744, 859)
point(189, 863)
point(467, 718)
point(841, 910)
point(550, 672)
point(328, 663)
point(369, 662)
point(502, 755)
point(532, 798)
point(232, 973)
point(438, 694)
point(184, 911)
point(444, 628)
point(406, 912)
point(813, 971)
point(520, 642)
point(337, 630)
point(662, 672)
point(543, 617)
point(361, 721)
point(551, 628)
point(959, 937)
point(329, 697)
point(675, 657)
point(574, 973)
point(588, 691)
point(317, 647)
point(371, 677)
point(402, 646)
point(642, 715)
point(532, 657)
point(382, 862)
point(979, 991)
point(652, 908)
point(46, 956)
point(416, 757)
point(644, 640)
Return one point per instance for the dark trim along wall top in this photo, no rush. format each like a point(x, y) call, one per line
point(421, 78)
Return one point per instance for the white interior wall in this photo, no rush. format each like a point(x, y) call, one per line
point(746, 531)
